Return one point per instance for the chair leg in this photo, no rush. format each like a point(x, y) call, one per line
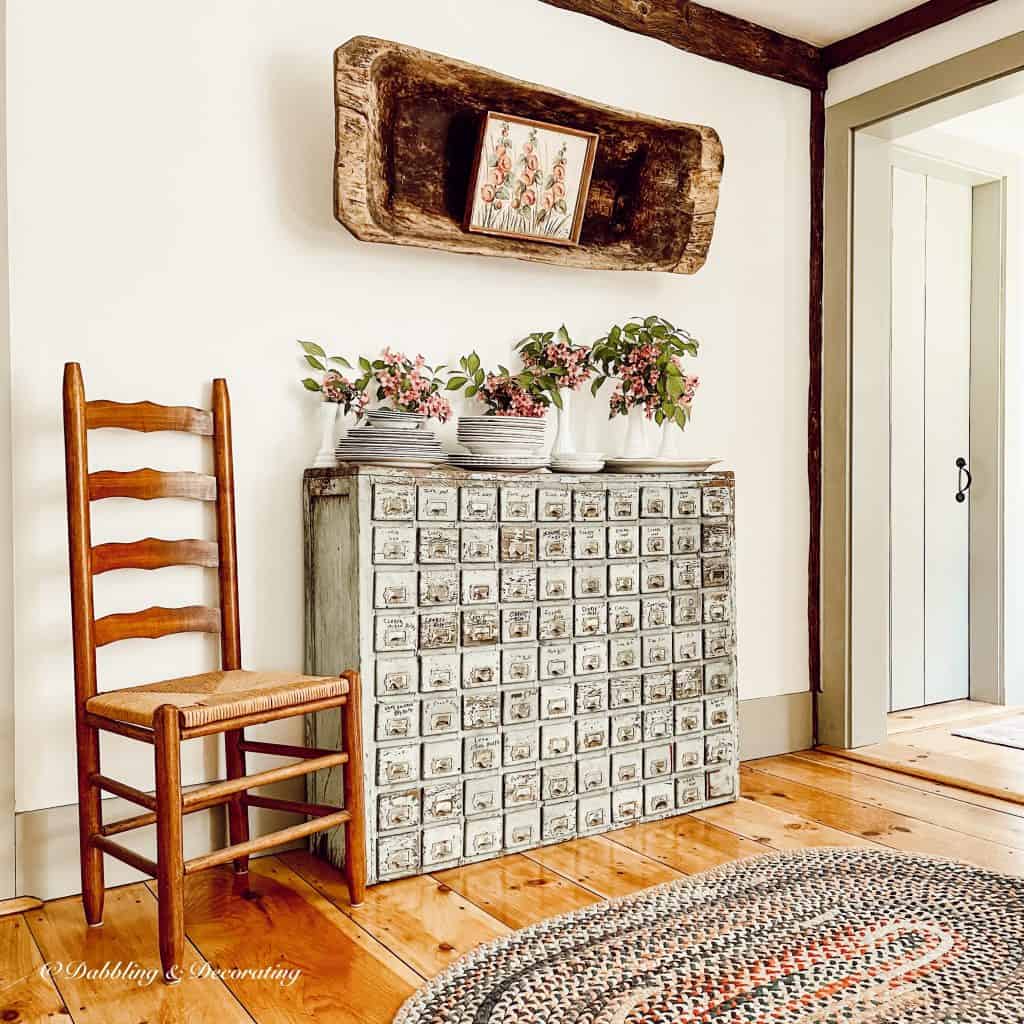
point(355, 804)
point(170, 855)
point(90, 821)
point(238, 812)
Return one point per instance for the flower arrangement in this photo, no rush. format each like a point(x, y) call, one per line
point(407, 385)
point(503, 393)
point(644, 357)
point(556, 361)
point(333, 385)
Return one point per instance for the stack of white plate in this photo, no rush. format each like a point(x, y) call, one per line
point(578, 462)
point(391, 446)
point(501, 442)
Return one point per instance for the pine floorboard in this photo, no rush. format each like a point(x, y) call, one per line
point(360, 964)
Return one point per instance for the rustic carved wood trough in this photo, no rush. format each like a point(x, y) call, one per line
point(407, 126)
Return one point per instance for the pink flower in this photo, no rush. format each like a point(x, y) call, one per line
point(487, 192)
point(529, 197)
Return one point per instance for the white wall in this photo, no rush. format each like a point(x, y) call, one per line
point(968, 32)
point(170, 188)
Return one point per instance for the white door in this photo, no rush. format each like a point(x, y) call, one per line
point(930, 374)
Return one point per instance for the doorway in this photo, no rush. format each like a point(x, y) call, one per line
point(921, 250)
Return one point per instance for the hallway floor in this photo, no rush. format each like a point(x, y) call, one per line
point(359, 966)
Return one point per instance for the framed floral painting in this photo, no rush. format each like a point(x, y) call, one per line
point(530, 180)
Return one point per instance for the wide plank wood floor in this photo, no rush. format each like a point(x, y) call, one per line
point(358, 966)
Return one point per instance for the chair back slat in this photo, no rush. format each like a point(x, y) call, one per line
point(154, 554)
point(83, 487)
point(148, 417)
point(146, 484)
point(156, 622)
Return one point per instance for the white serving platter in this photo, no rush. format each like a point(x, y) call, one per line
point(659, 465)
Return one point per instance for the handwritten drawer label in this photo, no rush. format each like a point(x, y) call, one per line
point(479, 504)
point(589, 542)
point(623, 616)
point(624, 652)
point(517, 504)
point(623, 542)
point(393, 545)
point(398, 764)
point(688, 682)
point(689, 790)
point(554, 505)
point(518, 585)
point(654, 540)
point(519, 706)
point(686, 644)
point(480, 626)
point(519, 664)
point(522, 788)
point(480, 711)
point(398, 810)
point(555, 622)
point(588, 506)
point(623, 502)
point(591, 696)
point(656, 613)
point(685, 538)
point(518, 624)
point(685, 502)
point(555, 661)
point(658, 723)
point(439, 587)
point(392, 501)
point(591, 619)
point(482, 753)
point(717, 712)
point(479, 544)
point(555, 542)
point(438, 629)
point(686, 609)
point(591, 734)
point(437, 504)
point(395, 632)
point(719, 749)
point(397, 721)
point(591, 658)
point(440, 715)
point(658, 687)
point(624, 692)
point(438, 545)
point(657, 650)
point(654, 500)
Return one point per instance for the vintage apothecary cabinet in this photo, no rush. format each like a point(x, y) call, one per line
point(543, 655)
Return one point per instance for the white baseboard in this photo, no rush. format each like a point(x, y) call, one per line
point(776, 725)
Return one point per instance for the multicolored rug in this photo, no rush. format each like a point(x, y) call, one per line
point(816, 937)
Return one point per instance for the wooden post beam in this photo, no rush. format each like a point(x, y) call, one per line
point(902, 26)
point(712, 34)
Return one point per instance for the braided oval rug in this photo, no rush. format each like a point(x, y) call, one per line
point(832, 936)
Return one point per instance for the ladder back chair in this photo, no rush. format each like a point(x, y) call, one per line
point(163, 714)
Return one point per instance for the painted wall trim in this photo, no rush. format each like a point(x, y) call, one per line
point(847, 715)
point(776, 725)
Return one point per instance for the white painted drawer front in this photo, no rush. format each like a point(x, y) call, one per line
point(544, 656)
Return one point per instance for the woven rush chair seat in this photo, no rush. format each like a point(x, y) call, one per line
point(215, 696)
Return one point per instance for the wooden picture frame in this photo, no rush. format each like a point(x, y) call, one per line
point(505, 197)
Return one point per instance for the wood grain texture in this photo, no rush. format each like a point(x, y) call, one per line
point(18, 905)
point(147, 484)
point(152, 553)
point(423, 921)
point(604, 867)
point(128, 935)
point(148, 417)
point(712, 34)
point(156, 622)
point(276, 919)
point(878, 824)
point(688, 845)
point(407, 133)
point(902, 26)
point(515, 890)
point(25, 995)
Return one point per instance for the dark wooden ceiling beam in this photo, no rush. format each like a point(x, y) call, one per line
point(902, 26)
point(712, 34)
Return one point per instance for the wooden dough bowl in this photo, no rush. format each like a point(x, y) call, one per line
point(408, 124)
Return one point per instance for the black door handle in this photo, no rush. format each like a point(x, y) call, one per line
point(962, 487)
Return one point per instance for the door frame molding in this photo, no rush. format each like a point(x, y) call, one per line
point(852, 715)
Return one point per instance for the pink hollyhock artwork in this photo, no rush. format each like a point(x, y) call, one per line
point(530, 180)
